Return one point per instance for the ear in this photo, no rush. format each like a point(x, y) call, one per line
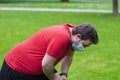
point(79, 35)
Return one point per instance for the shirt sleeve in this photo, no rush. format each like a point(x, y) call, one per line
point(57, 46)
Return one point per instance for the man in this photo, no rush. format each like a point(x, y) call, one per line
point(35, 58)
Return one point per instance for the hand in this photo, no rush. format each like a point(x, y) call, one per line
point(64, 77)
point(58, 77)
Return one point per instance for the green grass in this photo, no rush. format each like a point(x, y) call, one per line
point(76, 5)
point(98, 62)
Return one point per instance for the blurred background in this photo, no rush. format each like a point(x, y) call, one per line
point(76, 4)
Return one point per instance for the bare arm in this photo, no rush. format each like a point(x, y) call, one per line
point(66, 62)
point(48, 66)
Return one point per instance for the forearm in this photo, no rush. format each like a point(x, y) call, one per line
point(48, 66)
point(66, 62)
point(65, 65)
point(49, 71)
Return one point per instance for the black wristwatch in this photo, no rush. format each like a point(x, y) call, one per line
point(55, 71)
point(65, 74)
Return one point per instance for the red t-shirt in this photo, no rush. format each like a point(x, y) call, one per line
point(27, 56)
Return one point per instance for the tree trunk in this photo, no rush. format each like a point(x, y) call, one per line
point(115, 7)
point(64, 0)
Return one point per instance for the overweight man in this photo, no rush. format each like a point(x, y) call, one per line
point(36, 58)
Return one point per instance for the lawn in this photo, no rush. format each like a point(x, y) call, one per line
point(82, 4)
point(98, 62)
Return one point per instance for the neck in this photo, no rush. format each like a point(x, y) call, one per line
point(70, 34)
point(70, 30)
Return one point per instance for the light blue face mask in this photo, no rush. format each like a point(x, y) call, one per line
point(78, 47)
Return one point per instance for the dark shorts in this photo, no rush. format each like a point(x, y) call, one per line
point(7, 73)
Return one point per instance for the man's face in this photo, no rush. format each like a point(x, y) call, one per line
point(76, 39)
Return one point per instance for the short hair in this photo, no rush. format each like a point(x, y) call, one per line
point(87, 31)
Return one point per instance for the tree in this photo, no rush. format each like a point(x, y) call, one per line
point(115, 7)
point(64, 0)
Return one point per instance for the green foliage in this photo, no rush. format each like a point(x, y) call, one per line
point(98, 62)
